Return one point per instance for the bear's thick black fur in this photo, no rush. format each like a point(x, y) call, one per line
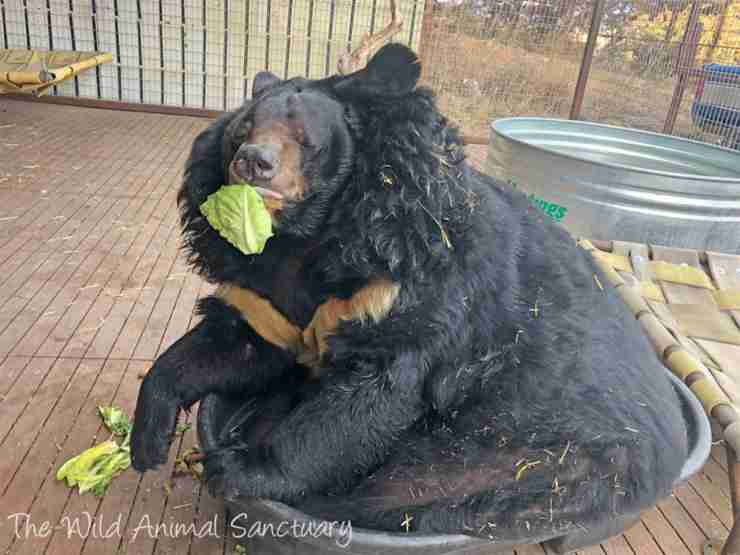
point(506, 393)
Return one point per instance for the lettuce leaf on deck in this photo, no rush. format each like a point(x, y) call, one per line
point(115, 420)
point(94, 469)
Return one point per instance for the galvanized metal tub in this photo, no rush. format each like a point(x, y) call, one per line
point(605, 182)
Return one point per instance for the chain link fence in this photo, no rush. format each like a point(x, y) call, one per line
point(659, 65)
point(490, 59)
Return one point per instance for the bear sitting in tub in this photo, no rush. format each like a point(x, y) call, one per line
point(473, 376)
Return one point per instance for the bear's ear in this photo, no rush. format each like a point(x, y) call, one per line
point(393, 71)
point(263, 80)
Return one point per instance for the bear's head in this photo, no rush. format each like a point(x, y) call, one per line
point(354, 159)
point(296, 140)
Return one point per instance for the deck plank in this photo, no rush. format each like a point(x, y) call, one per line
point(116, 241)
point(617, 546)
point(165, 252)
point(181, 504)
point(26, 408)
point(65, 291)
point(121, 266)
point(46, 502)
point(533, 549)
point(68, 540)
point(10, 370)
point(641, 541)
point(124, 291)
point(699, 512)
point(39, 305)
point(665, 536)
point(711, 493)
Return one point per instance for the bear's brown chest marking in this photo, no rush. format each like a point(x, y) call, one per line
point(371, 303)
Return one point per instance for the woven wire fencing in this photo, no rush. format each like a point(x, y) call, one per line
point(496, 58)
point(656, 62)
point(197, 53)
point(672, 66)
point(489, 59)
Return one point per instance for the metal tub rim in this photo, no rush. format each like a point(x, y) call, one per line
point(496, 128)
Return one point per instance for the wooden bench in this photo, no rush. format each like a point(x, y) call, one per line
point(688, 303)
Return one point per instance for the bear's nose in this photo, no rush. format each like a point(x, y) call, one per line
point(258, 161)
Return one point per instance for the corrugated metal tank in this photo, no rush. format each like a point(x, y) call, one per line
point(605, 182)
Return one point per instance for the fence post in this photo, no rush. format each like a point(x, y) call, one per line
point(719, 29)
point(671, 25)
point(684, 65)
point(588, 56)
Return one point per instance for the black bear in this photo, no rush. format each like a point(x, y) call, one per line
point(423, 345)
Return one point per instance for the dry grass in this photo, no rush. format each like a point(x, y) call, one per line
point(481, 80)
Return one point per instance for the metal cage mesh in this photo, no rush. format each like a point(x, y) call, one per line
point(485, 58)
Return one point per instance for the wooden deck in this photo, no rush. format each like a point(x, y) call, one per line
point(92, 288)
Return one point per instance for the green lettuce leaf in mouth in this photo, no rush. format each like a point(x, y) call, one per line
point(239, 215)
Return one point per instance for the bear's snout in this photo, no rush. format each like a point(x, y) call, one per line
point(259, 161)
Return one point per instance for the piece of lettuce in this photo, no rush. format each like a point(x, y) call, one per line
point(78, 469)
point(107, 468)
point(115, 420)
point(239, 214)
point(94, 469)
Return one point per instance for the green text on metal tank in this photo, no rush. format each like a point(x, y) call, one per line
point(555, 211)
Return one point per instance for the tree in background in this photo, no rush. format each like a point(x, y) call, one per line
point(719, 22)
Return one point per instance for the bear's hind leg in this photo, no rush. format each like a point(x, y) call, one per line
point(503, 494)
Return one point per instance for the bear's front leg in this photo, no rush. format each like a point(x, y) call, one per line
point(330, 440)
point(222, 355)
